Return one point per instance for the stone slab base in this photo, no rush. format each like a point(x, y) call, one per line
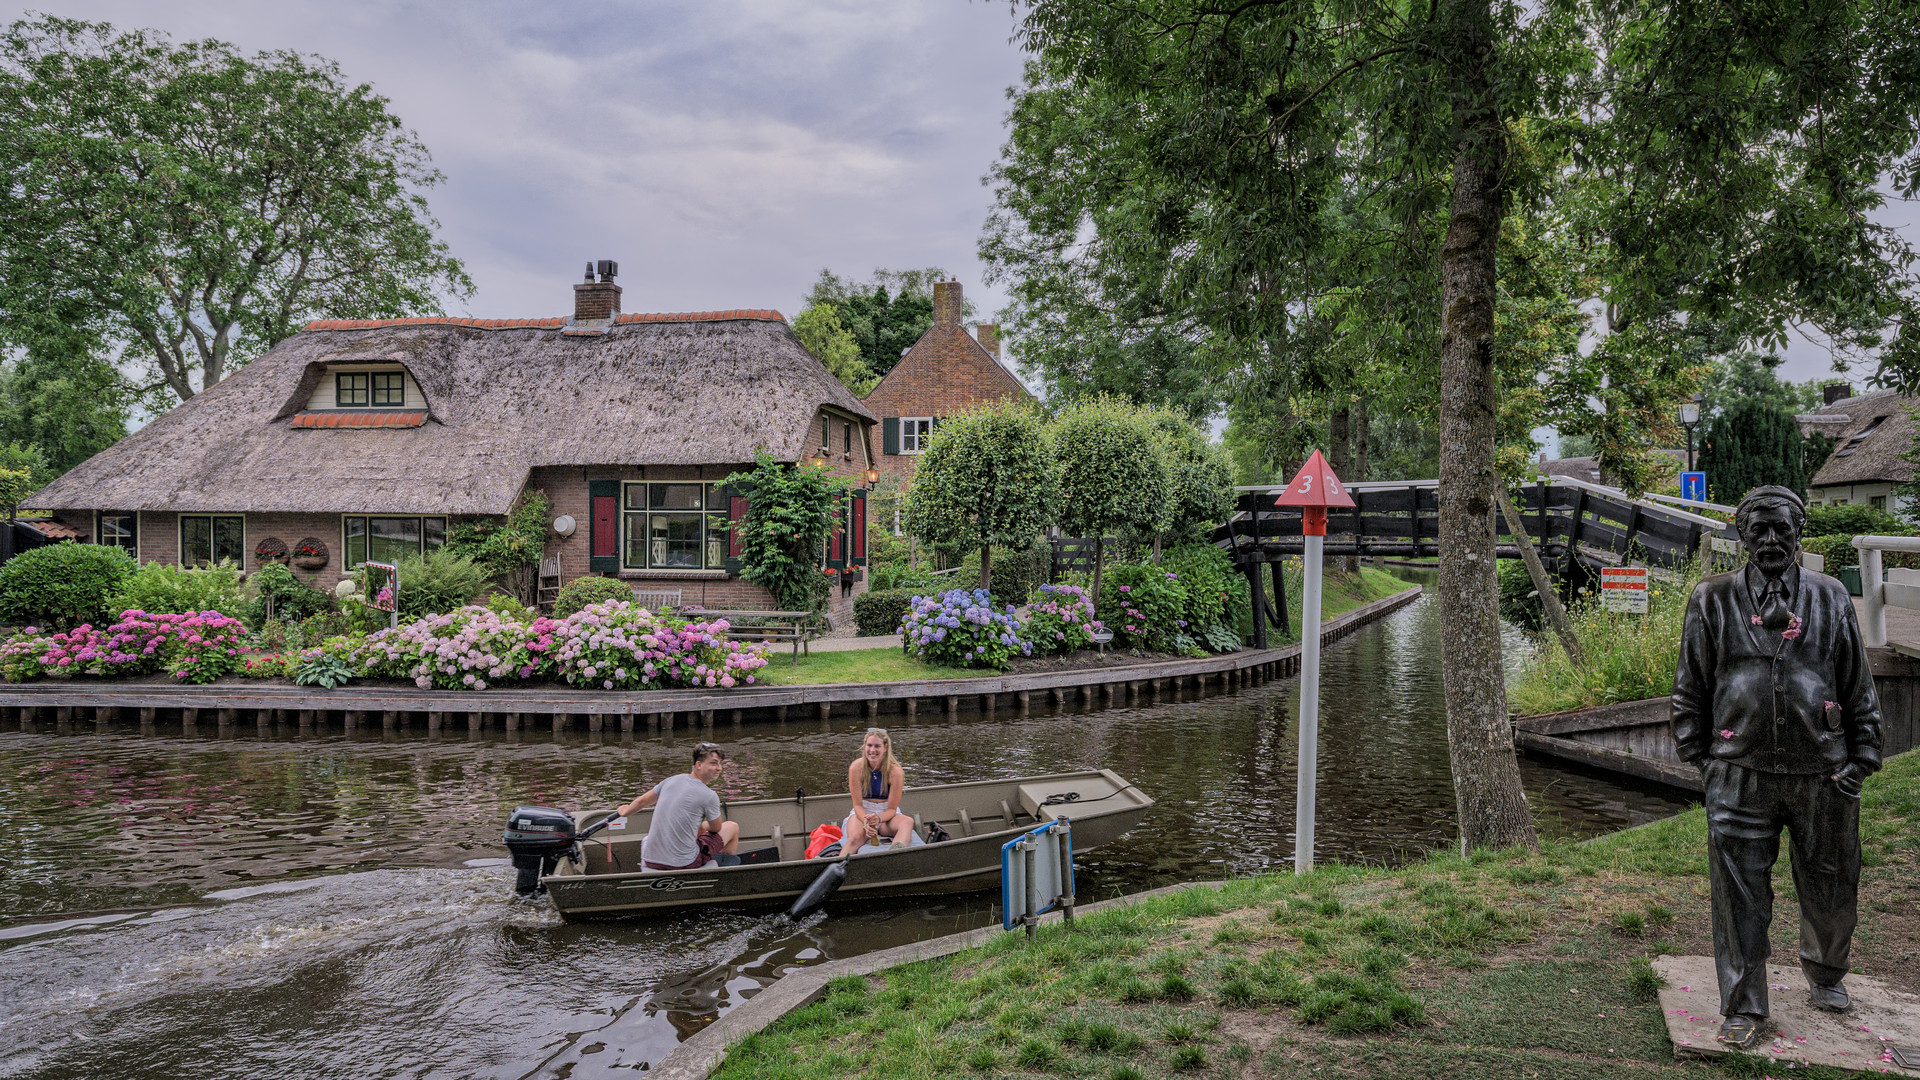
point(1882, 1017)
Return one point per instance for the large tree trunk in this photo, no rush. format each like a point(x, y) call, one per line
point(986, 567)
point(1486, 776)
point(1362, 435)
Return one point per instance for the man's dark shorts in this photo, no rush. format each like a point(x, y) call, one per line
point(710, 848)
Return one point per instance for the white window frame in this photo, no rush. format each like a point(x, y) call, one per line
point(921, 438)
point(180, 538)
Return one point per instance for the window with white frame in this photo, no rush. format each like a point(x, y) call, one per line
point(915, 432)
point(119, 530)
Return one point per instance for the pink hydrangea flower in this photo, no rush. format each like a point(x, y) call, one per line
point(1726, 733)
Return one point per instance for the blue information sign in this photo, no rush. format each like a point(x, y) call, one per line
point(1693, 486)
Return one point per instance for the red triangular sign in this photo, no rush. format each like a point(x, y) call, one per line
point(1315, 486)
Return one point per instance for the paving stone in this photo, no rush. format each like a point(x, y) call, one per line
point(1882, 1017)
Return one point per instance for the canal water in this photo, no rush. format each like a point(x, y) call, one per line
point(335, 906)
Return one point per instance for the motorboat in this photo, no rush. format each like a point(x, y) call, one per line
point(588, 863)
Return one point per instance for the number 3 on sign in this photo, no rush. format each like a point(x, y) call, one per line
point(1306, 484)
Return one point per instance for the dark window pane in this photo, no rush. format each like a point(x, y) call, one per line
point(230, 539)
point(636, 496)
point(389, 388)
point(675, 541)
point(433, 531)
point(393, 539)
point(119, 530)
point(846, 437)
point(636, 546)
point(677, 496)
point(349, 390)
point(196, 541)
point(356, 529)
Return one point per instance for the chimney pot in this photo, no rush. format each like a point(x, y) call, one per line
point(1833, 392)
point(988, 335)
point(947, 304)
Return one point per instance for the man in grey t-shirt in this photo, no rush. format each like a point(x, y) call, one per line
point(687, 830)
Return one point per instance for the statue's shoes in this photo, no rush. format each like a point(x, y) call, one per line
point(1831, 999)
point(1741, 1032)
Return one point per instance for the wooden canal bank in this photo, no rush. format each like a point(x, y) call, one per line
point(1633, 737)
point(34, 706)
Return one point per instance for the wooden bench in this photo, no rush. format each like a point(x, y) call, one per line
point(798, 627)
point(657, 599)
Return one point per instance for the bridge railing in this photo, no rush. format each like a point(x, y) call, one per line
point(1894, 588)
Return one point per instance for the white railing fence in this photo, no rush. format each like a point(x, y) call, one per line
point(1899, 588)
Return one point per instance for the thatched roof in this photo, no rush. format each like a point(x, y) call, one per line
point(503, 397)
point(1871, 444)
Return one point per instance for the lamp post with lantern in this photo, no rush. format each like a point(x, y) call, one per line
point(1689, 418)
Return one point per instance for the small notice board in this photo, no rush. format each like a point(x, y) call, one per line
point(1624, 588)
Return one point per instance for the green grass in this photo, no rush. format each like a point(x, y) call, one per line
point(1343, 593)
point(1498, 964)
point(1627, 657)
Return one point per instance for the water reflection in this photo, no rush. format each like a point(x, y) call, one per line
point(211, 905)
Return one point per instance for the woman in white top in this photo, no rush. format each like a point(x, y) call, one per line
point(875, 780)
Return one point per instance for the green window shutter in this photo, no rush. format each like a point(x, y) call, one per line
point(890, 435)
point(736, 496)
point(603, 496)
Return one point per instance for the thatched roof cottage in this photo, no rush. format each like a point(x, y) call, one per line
point(370, 437)
point(1872, 434)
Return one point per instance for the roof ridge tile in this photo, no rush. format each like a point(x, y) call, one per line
point(548, 323)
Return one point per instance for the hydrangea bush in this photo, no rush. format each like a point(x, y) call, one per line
point(963, 629)
point(1144, 606)
point(618, 645)
point(194, 647)
point(1060, 619)
point(466, 649)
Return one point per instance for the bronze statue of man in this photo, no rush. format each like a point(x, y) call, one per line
point(1774, 702)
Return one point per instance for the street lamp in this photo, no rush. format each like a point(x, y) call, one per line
point(1690, 416)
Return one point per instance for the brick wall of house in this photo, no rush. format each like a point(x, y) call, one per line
point(946, 372)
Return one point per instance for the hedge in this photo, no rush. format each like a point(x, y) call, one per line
point(584, 591)
point(63, 585)
point(880, 613)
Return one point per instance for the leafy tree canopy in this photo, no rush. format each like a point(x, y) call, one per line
point(885, 315)
point(986, 478)
point(197, 205)
point(1753, 442)
point(819, 328)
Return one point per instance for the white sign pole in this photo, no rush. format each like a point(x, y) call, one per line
point(1306, 792)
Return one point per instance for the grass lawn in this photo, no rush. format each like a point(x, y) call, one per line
point(1343, 593)
point(1498, 965)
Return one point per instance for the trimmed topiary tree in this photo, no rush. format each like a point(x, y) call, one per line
point(985, 479)
point(1113, 477)
point(1199, 478)
point(63, 585)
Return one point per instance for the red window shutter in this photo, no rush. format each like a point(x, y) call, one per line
point(860, 528)
point(605, 549)
point(736, 513)
point(836, 541)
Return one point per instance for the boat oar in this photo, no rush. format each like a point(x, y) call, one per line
point(824, 886)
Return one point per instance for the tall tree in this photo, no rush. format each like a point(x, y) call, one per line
point(1753, 442)
point(203, 203)
point(1113, 475)
point(819, 328)
point(64, 399)
point(1238, 163)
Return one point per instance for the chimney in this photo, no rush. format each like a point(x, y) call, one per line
point(947, 305)
point(597, 299)
point(1834, 391)
point(989, 337)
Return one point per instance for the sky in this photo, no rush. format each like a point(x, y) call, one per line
point(722, 152)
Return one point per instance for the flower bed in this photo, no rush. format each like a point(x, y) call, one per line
point(1060, 619)
point(198, 647)
point(962, 628)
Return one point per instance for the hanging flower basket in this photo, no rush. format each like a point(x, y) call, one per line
point(310, 554)
point(271, 550)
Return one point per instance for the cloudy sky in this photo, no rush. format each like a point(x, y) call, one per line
point(722, 151)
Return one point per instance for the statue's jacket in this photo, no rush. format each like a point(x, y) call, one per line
point(1747, 694)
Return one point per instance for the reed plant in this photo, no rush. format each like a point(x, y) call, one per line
point(1628, 656)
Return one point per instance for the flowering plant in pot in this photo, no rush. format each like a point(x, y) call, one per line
point(310, 554)
point(271, 550)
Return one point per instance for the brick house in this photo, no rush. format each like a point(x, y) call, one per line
point(373, 436)
point(947, 371)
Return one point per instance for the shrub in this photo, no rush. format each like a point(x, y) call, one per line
point(175, 590)
point(1060, 619)
point(195, 647)
point(1839, 552)
point(1853, 519)
point(881, 612)
point(463, 650)
point(510, 549)
point(63, 585)
point(1216, 596)
point(621, 646)
point(789, 510)
point(293, 600)
point(962, 628)
point(437, 582)
point(1145, 606)
point(508, 607)
point(585, 591)
point(263, 666)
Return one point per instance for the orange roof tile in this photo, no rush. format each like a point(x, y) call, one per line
point(356, 419)
point(760, 314)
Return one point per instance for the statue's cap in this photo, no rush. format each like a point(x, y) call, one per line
point(1774, 491)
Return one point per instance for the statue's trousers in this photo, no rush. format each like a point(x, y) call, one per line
point(1746, 809)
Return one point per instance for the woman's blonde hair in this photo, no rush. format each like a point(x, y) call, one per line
point(887, 763)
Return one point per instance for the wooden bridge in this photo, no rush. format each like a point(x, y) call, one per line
point(1569, 520)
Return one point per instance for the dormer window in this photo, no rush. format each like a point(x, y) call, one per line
point(1854, 443)
point(369, 389)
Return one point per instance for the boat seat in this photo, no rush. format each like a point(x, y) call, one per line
point(1033, 797)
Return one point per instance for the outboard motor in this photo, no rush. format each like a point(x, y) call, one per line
point(537, 836)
